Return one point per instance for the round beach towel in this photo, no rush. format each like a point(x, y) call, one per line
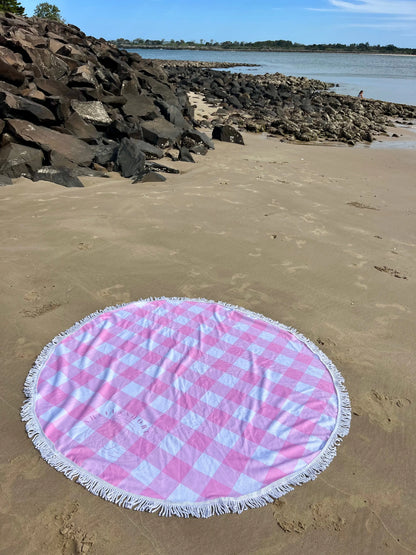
point(185, 407)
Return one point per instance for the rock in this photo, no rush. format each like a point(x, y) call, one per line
point(33, 94)
point(160, 132)
point(60, 176)
point(17, 160)
point(150, 151)
point(46, 64)
point(10, 74)
point(157, 88)
point(141, 106)
point(72, 148)
point(227, 134)
point(106, 153)
point(57, 88)
point(174, 115)
point(160, 167)
point(5, 180)
point(185, 155)
point(120, 128)
point(149, 177)
point(60, 106)
point(113, 100)
point(130, 159)
point(198, 149)
point(193, 137)
point(93, 112)
point(12, 105)
point(80, 128)
point(12, 58)
point(83, 76)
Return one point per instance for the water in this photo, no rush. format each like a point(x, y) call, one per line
point(391, 78)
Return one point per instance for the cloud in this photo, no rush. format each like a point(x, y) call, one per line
point(403, 8)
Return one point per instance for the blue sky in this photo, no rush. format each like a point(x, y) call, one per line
point(304, 21)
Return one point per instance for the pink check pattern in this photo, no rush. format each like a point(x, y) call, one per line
point(185, 401)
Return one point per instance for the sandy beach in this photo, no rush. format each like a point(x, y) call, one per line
point(321, 238)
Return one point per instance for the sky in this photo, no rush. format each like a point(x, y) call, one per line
point(304, 21)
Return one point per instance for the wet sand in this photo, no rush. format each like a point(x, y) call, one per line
point(320, 238)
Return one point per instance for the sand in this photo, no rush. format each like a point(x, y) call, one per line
point(321, 238)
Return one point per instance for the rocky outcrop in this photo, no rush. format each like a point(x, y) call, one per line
point(69, 101)
point(228, 134)
point(293, 107)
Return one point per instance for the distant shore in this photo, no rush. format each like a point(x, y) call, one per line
point(262, 50)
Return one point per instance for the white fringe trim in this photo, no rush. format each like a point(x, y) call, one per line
point(165, 508)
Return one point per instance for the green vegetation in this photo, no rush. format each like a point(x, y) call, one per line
point(264, 46)
point(11, 6)
point(48, 11)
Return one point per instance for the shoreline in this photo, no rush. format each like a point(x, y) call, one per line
point(141, 47)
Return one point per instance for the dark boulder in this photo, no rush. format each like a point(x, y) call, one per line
point(198, 149)
point(174, 115)
point(17, 106)
point(47, 139)
point(185, 155)
point(150, 151)
point(130, 159)
point(57, 88)
point(192, 138)
point(17, 160)
point(12, 58)
point(60, 176)
point(228, 134)
point(10, 74)
point(160, 167)
point(160, 132)
point(106, 153)
point(114, 100)
point(149, 177)
point(80, 128)
point(46, 64)
point(140, 105)
point(120, 128)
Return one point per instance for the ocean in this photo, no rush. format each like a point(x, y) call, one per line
point(383, 77)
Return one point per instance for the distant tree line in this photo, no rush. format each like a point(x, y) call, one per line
point(264, 46)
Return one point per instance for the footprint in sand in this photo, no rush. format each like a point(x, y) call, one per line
point(115, 293)
point(319, 231)
point(382, 409)
point(40, 309)
point(288, 264)
point(74, 538)
point(32, 296)
point(257, 253)
point(84, 246)
point(360, 283)
point(325, 514)
point(322, 341)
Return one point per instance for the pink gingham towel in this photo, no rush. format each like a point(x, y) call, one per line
point(185, 407)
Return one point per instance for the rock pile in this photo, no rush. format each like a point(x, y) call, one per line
point(293, 107)
point(74, 105)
